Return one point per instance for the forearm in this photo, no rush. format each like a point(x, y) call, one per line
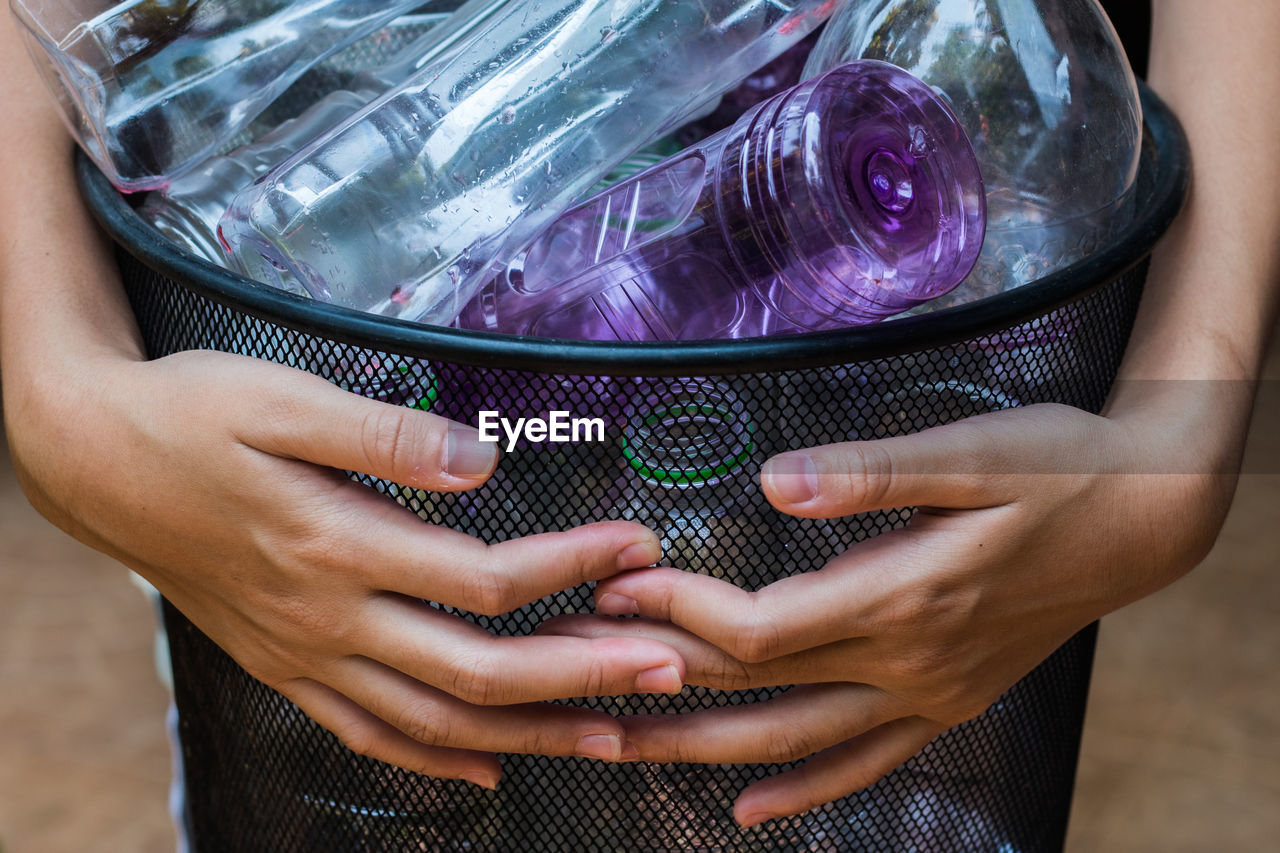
point(1212, 298)
point(59, 294)
point(66, 330)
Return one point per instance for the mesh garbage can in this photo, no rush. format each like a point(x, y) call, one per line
point(261, 776)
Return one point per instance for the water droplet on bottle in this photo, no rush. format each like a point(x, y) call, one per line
point(455, 275)
point(508, 114)
point(607, 34)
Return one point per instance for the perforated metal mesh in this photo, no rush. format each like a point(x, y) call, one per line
point(680, 455)
point(264, 777)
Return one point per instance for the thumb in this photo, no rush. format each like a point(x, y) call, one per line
point(970, 464)
point(296, 415)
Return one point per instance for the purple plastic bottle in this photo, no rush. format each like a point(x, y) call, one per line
point(849, 198)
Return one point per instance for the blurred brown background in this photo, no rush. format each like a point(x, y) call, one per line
point(1181, 749)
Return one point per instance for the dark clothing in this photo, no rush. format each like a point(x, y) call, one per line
point(1132, 19)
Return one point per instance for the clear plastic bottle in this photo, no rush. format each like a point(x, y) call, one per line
point(1045, 93)
point(944, 401)
point(691, 474)
point(848, 198)
point(188, 209)
point(152, 87)
point(773, 79)
point(410, 206)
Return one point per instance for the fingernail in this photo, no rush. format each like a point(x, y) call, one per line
point(640, 554)
point(659, 679)
point(758, 817)
point(484, 780)
point(793, 477)
point(465, 456)
point(612, 604)
point(603, 747)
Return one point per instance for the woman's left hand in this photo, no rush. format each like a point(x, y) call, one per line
point(1031, 523)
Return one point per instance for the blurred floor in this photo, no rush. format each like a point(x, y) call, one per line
point(84, 761)
point(1181, 749)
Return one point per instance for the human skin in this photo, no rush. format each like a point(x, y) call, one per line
point(1031, 523)
point(219, 479)
point(108, 444)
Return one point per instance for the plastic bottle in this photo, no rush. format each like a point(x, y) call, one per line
point(691, 467)
point(411, 205)
point(692, 458)
point(773, 79)
point(689, 451)
point(1044, 91)
point(851, 197)
point(152, 87)
point(187, 211)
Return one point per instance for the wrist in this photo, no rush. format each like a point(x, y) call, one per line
point(1184, 426)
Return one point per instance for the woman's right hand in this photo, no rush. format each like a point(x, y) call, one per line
point(219, 478)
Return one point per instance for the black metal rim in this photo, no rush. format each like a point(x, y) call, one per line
point(548, 355)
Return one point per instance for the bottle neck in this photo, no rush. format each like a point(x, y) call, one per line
point(689, 435)
point(851, 197)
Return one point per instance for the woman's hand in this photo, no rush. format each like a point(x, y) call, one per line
point(1031, 523)
point(217, 478)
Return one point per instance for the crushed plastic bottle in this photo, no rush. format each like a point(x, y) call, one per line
point(410, 206)
point(188, 209)
point(151, 88)
point(773, 79)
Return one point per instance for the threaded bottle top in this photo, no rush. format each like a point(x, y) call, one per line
point(689, 434)
point(852, 197)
